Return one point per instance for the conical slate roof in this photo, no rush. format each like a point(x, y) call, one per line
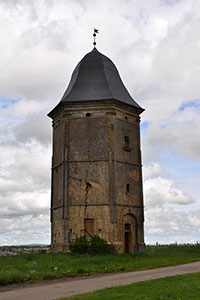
point(96, 78)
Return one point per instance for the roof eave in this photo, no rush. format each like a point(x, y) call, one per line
point(62, 104)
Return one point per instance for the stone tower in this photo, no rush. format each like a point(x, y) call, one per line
point(96, 165)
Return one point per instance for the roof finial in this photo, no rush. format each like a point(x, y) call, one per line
point(94, 35)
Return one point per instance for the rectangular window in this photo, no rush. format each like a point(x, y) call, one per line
point(128, 187)
point(127, 143)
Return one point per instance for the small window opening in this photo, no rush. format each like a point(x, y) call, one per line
point(126, 118)
point(128, 188)
point(127, 227)
point(126, 142)
point(88, 114)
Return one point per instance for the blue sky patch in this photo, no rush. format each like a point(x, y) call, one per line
point(8, 118)
point(169, 2)
point(144, 126)
point(184, 171)
point(179, 164)
point(6, 102)
point(194, 103)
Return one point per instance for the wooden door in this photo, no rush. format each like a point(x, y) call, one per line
point(127, 237)
point(89, 228)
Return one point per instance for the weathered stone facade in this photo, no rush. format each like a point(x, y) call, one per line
point(97, 175)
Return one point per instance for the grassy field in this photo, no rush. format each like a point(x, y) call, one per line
point(184, 287)
point(38, 266)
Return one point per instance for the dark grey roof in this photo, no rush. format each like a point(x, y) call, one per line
point(96, 78)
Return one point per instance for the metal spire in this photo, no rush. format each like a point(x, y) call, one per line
point(94, 35)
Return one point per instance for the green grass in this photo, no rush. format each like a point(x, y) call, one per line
point(33, 267)
point(183, 287)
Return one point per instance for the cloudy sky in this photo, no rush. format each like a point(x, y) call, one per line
point(155, 45)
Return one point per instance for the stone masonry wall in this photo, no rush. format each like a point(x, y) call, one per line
point(96, 174)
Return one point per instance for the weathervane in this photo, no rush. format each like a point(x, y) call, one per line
point(94, 35)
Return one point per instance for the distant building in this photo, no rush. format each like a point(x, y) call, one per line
point(96, 165)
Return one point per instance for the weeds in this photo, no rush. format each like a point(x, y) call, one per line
point(37, 266)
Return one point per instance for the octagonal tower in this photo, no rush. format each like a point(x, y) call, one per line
point(96, 165)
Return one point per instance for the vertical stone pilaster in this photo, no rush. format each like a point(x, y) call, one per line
point(115, 190)
point(64, 192)
point(111, 186)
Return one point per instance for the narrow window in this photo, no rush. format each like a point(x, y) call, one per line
point(126, 142)
point(127, 227)
point(128, 188)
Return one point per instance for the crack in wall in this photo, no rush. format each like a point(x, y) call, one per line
point(88, 186)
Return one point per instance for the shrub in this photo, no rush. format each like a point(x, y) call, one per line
point(98, 245)
point(80, 245)
point(95, 246)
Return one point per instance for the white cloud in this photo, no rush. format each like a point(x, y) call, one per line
point(169, 225)
point(159, 191)
point(25, 194)
point(180, 133)
point(151, 170)
point(28, 229)
point(25, 167)
point(37, 126)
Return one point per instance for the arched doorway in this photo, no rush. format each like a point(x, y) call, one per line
point(130, 233)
